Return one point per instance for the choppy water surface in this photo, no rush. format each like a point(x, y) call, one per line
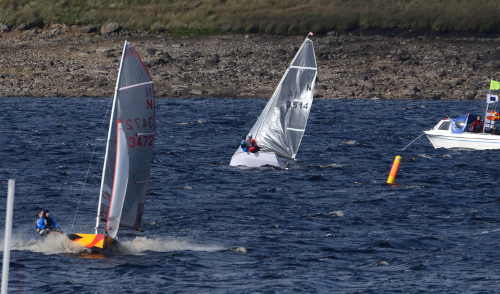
point(329, 224)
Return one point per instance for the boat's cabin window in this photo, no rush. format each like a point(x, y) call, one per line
point(444, 126)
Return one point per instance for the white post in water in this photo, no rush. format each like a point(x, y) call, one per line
point(8, 231)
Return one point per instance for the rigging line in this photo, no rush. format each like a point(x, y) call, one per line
point(413, 141)
point(88, 169)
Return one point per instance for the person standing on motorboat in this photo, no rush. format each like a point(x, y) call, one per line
point(477, 125)
point(252, 145)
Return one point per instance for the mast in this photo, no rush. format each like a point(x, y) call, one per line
point(98, 220)
point(8, 235)
point(487, 104)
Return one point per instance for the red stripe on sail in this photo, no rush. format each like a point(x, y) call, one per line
point(142, 63)
point(130, 51)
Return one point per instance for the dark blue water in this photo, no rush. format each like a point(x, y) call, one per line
point(328, 224)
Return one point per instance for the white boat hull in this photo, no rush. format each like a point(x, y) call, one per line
point(258, 159)
point(481, 141)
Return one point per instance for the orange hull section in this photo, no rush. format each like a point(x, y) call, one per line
point(96, 243)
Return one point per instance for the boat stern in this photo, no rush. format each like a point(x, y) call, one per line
point(96, 243)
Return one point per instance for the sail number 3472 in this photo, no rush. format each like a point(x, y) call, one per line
point(142, 141)
point(140, 123)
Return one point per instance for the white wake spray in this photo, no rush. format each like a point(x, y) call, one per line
point(142, 244)
point(53, 244)
point(57, 244)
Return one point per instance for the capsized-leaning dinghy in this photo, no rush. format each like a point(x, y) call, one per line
point(282, 123)
point(128, 157)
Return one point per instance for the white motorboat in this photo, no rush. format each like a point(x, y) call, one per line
point(457, 133)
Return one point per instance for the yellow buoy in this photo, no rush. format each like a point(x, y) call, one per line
point(394, 170)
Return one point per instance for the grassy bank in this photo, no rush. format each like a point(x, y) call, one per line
point(266, 16)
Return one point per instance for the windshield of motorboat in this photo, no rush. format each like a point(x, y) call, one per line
point(445, 126)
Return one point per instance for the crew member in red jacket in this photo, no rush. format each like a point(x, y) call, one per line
point(477, 125)
point(252, 144)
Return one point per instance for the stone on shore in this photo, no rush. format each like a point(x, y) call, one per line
point(4, 28)
point(110, 28)
point(88, 29)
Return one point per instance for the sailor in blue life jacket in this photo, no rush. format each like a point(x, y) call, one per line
point(45, 224)
point(243, 144)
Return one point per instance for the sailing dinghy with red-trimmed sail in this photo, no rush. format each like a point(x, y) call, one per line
point(128, 157)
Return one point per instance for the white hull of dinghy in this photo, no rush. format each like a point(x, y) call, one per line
point(481, 141)
point(257, 159)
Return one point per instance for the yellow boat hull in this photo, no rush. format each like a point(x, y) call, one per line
point(96, 243)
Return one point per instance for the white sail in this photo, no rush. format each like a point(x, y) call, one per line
point(129, 151)
point(282, 123)
point(120, 183)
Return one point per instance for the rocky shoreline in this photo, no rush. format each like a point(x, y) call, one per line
point(62, 61)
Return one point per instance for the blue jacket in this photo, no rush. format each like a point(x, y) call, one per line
point(241, 144)
point(42, 223)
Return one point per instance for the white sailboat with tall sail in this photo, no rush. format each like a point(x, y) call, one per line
point(459, 133)
point(282, 123)
point(128, 157)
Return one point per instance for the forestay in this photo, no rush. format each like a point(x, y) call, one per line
point(282, 123)
point(130, 147)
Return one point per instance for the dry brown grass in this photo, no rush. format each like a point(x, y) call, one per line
point(269, 16)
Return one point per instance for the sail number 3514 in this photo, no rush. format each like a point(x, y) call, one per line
point(297, 105)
